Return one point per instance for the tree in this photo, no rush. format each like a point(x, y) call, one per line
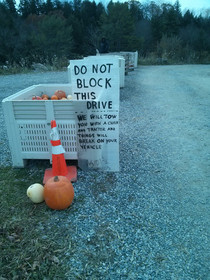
point(42, 29)
point(47, 7)
point(170, 48)
point(117, 25)
point(177, 8)
point(10, 4)
point(8, 31)
point(188, 18)
point(136, 10)
point(88, 13)
point(67, 9)
point(90, 16)
point(27, 7)
point(51, 36)
point(99, 11)
point(170, 20)
point(77, 7)
point(152, 10)
point(144, 33)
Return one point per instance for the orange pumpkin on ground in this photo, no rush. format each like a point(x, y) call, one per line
point(60, 94)
point(54, 97)
point(58, 193)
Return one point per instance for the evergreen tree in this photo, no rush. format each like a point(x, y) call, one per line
point(136, 10)
point(10, 4)
point(100, 9)
point(58, 5)
point(41, 29)
point(188, 18)
point(88, 13)
point(47, 7)
point(67, 9)
point(170, 20)
point(27, 7)
point(8, 31)
point(118, 26)
point(77, 8)
point(51, 37)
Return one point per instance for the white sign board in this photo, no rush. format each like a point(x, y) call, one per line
point(95, 84)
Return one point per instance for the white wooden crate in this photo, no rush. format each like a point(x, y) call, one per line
point(28, 123)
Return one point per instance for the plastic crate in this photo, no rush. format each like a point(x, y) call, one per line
point(28, 123)
point(121, 60)
point(131, 57)
point(124, 65)
point(121, 67)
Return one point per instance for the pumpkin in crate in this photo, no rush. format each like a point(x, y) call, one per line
point(54, 97)
point(45, 96)
point(60, 94)
point(58, 193)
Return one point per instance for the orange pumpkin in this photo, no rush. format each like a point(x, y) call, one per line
point(45, 96)
point(60, 94)
point(54, 97)
point(58, 193)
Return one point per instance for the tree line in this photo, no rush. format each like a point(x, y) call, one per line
point(47, 31)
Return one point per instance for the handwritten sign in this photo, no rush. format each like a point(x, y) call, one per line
point(95, 85)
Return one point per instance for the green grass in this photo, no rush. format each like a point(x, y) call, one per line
point(29, 248)
point(39, 243)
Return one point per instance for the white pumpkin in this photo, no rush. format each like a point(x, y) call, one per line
point(36, 193)
point(69, 97)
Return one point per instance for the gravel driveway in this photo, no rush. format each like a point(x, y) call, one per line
point(150, 220)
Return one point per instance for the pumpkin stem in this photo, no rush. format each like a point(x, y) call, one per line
point(56, 179)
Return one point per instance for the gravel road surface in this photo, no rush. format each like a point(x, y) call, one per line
point(150, 220)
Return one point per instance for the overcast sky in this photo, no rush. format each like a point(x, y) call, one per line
point(197, 6)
